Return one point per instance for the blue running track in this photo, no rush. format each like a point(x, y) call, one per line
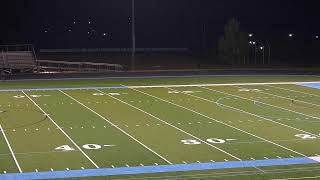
point(158, 169)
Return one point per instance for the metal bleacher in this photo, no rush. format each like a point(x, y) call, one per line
point(17, 58)
point(22, 59)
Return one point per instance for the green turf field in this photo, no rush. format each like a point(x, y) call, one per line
point(161, 121)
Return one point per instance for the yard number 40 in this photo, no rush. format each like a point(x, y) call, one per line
point(86, 146)
point(195, 142)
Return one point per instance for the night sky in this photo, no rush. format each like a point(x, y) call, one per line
point(160, 23)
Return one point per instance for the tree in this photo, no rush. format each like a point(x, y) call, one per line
point(233, 46)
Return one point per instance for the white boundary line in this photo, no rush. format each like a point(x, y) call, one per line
point(256, 114)
point(124, 132)
point(14, 157)
point(74, 143)
point(292, 90)
point(227, 84)
point(165, 122)
point(155, 86)
point(286, 148)
point(243, 131)
point(166, 76)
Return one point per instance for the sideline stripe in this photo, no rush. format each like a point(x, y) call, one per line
point(74, 143)
point(14, 157)
point(61, 89)
point(159, 169)
point(166, 76)
point(158, 86)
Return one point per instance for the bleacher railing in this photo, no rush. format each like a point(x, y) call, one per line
point(62, 66)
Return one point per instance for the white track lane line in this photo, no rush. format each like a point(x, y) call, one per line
point(9, 146)
point(75, 144)
point(124, 132)
point(220, 122)
point(165, 122)
point(292, 90)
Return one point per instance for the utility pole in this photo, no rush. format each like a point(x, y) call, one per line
point(133, 30)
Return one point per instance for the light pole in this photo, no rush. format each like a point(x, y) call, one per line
point(262, 48)
point(133, 31)
point(255, 50)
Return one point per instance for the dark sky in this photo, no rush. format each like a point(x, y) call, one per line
point(160, 23)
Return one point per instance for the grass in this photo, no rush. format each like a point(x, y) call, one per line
point(84, 129)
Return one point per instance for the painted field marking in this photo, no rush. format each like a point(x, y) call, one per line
point(124, 132)
point(310, 116)
point(225, 84)
point(241, 121)
point(181, 130)
point(73, 142)
point(11, 151)
point(296, 178)
point(157, 86)
point(292, 90)
point(256, 114)
point(285, 98)
point(221, 122)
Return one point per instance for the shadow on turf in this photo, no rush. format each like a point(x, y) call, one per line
point(18, 110)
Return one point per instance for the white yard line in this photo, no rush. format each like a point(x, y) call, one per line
point(219, 122)
point(252, 114)
point(75, 144)
point(165, 122)
point(124, 132)
point(286, 148)
point(292, 90)
point(269, 105)
point(285, 98)
point(9, 146)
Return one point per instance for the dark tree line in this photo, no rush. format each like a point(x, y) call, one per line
point(233, 46)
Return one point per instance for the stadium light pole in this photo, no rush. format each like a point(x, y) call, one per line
point(262, 49)
point(133, 31)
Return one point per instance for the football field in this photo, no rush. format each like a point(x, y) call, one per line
point(264, 127)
